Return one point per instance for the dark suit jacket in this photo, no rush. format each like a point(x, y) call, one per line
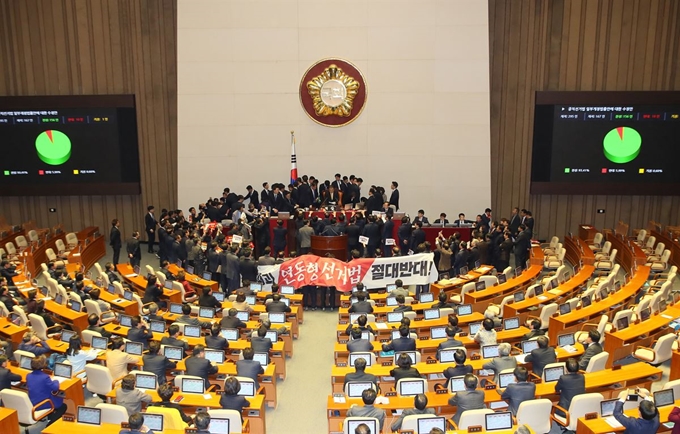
point(568, 386)
point(516, 393)
point(592, 350)
point(457, 371)
point(360, 376)
point(359, 345)
point(372, 231)
point(404, 308)
point(277, 306)
point(173, 342)
point(417, 238)
point(394, 198)
point(101, 331)
point(213, 260)
point(400, 344)
point(466, 400)
point(514, 223)
point(248, 269)
point(140, 335)
point(539, 358)
point(157, 364)
point(260, 345)
point(522, 243)
point(250, 369)
point(232, 322)
point(132, 248)
point(361, 307)
point(254, 198)
point(216, 342)
point(6, 378)
point(450, 343)
point(150, 222)
point(234, 402)
point(114, 238)
point(209, 301)
point(400, 373)
point(199, 367)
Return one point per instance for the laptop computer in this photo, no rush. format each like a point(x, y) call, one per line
point(457, 384)
point(565, 308)
point(505, 379)
point(136, 269)
point(511, 323)
point(189, 269)
point(395, 316)
point(474, 327)
point(263, 358)
point(286, 290)
point(427, 424)
point(247, 388)
point(206, 312)
point(411, 354)
point(446, 356)
point(553, 374)
point(89, 415)
point(277, 317)
point(437, 332)
point(255, 287)
point(356, 388)
point(243, 315)
point(479, 286)
point(215, 356)
point(154, 421)
point(75, 306)
point(518, 296)
point(391, 287)
point(230, 334)
point(134, 348)
point(518, 271)
point(111, 288)
point(207, 275)
point(125, 320)
point(66, 335)
point(219, 296)
point(63, 370)
point(489, 351)
point(25, 362)
point(193, 385)
point(426, 297)
point(100, 343)
point(59, 299)
point(391, 301)
point(145, 381)
point(176, 308)
point(272, 336)
point(502, 278)
point(168, 284)
point(431, 313)
point(463, 271)
point(478, 264)
point(127, 295)
point(607, 407)
point(586, 301)
point(192, 331)
point(219, 426)
point(565, 340)
point(411, 387)
point(622, 323)
point(498, 421)
point(529, 346)
point(173, 353)
point(157, 326)
point(664, 397)
point(645, 314)
point(464, 309)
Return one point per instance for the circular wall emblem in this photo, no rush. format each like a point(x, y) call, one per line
point(333, 92)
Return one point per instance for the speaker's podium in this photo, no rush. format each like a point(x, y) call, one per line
point(335, 247)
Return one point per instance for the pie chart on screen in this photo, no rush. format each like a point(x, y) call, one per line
point(622, 145)
point(54, 147)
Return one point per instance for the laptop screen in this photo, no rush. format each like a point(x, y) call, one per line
point(176, 308)
point(391, 301)
point(395, 316)
point(437, 332)
point(474, 328)
point(355, 389)
point(353, 317)
point(426, 297)
point(189, 269)
point(645, 314)
point(518, 271)
point(426, 424)
point(286, 301)
point(498, 421)
point(193, 385)
point(263, 358)
point(366, 335)
point(191, 331)
point(411, 387)
point(480, 285)
point(90, 415)
point(255, 287)
point(604, 293)
point(136, 269)
point(66, 335)
point(154, 421)
point(464, 309)
point(511, 323)
point(505, 379)
point(111, 288)
point(395, 334)
point(168, 284)
point(75, 306)
point(489, 351)
point(477, 264)
point(622, 323)
point(127, 295)
point(229, 334)
point(564, 340)
point(518, 296)
point(565, 308)
point(207, 275)
point(538, 290)
point(218, 426)
point(173, 353)
point(529, 346)
point(250, 300)
point(457, 384)
point(391, 287)
point(219, 296)
point(502, 278)
point(134, 348)
point(286, 290)
point(63, 370)
point(607, 407)
point(58, 299)
point(157, 326)
point(353, 424)
point(446, 356)
point(277, 317)
point(431, 313)
point(247, 388)
point(554, 373)
point(463, 270)
point(100, 343)
point(25, 362)
point(206, 312)
point(243, 315)
point(145, 381)
point(215, 356)
point(353, 357)
point(664, 397)
point(586, 301)
point(272, 336)
point(125, 320)
point(553, 283)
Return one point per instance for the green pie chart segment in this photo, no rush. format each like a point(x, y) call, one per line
point(54, 147)
point(622, 145)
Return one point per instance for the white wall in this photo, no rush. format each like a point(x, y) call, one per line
point(426, 121)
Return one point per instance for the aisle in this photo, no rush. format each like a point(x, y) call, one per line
point(302, 396)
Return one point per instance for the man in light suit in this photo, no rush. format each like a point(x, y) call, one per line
point(420, 404)
point(468, 399)
point(267, 259)
point(592, 346)
point(399, 290)
point(367, 410)
point(522, 390)
point(503, 361)
point(541, 356)
point(357, 344)
point(569, 385)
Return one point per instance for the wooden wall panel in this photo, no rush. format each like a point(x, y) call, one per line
point(91, 47)
point(571, 45)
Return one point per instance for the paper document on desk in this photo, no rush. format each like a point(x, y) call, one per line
point(569, 349)
point(60, 379)
point(611, 420)
point(555, 291)
point(339, 398)
point(542, 297)
point(520, 358)
point(381, 326)
point(130, 276)
point(207, 396)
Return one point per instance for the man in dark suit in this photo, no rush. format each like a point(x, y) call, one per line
point(232, 272)
point(522, 246)
point(361, 305)
point(115, 240)
point(420, 407)
point(441, 221)
point(461, 221)
point(265, 195)
point(515, 221)
point(198, 366)
point(165, 392)
point(468, 399)
point(150, 224)
point(450, 341)
point(248, 266)
point(173, 339)
point(6, 376)
point(394, 197)
point(231, 321)
point(359, 373)
point(138, 332)
point(516, 393)
point(569, 385)
point(157, 363)
point(208, 300)
point(214, 341)
point(94, 325)
point(461, 368)
point(135, 422)
point(592, 347)
point(133, 251)
point(401, 304)
point(417, 236)
point(357, 344)
point(403, 343)
point(421, 218)
point(305, 198)
point(276, 305)
point(214, 261)
point(248, 367)
point(541, 356)
point(253, 196)
point(648, 422)
point(187, 319)
point(260, 343)
point(372, 232)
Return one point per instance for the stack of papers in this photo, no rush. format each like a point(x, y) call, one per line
point(542, 297)
point(569, 349)
point(613, 422)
